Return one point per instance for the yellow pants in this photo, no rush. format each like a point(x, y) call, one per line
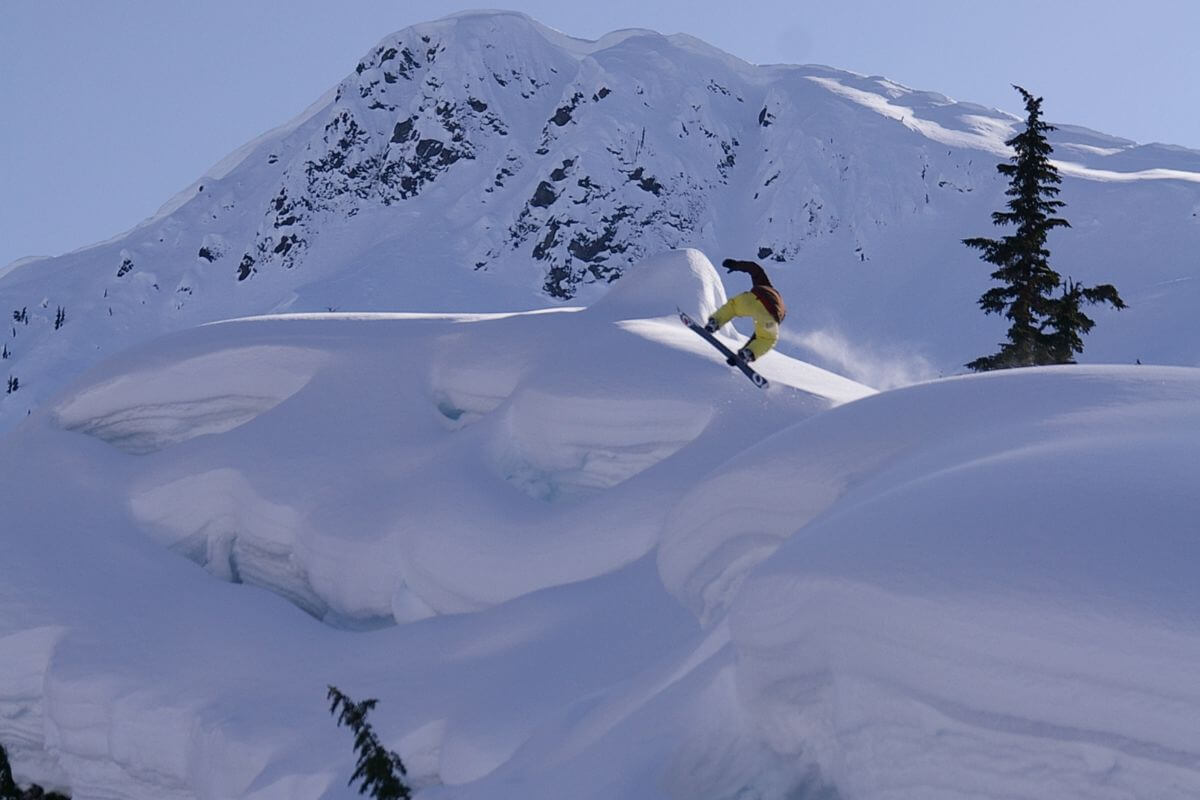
point(766, 329)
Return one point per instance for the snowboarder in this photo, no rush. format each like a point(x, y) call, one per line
point(762, 303)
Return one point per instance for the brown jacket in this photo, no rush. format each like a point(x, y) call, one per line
point(771, 300)
point(767, 294)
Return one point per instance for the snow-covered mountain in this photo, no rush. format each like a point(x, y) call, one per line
point(574, 555)
point(447, 446)
point(484, 162)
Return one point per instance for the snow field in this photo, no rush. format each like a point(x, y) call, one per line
point(925, 637)
point(573, 554)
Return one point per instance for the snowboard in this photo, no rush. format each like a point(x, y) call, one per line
point(756, 379)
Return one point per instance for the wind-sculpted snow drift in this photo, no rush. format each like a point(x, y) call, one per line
point(142, 413)
point(575, 555)
point(992, 599)
point(500, 427)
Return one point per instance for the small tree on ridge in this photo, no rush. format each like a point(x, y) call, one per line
point(1043, 329)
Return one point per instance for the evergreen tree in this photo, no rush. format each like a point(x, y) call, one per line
point(8, 788)
point(10, 791)
point(1069, 322)
point(378, 769)
point(1043, 329)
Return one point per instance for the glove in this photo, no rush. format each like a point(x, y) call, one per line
point(711, 326)
point(735, 265)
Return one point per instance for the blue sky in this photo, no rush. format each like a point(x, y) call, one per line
point(112, 106)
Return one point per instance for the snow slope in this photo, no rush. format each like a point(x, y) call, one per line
point(982, 589)
point(484, 163)
point(575, 555)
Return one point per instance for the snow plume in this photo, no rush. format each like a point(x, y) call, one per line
point(883, 368)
